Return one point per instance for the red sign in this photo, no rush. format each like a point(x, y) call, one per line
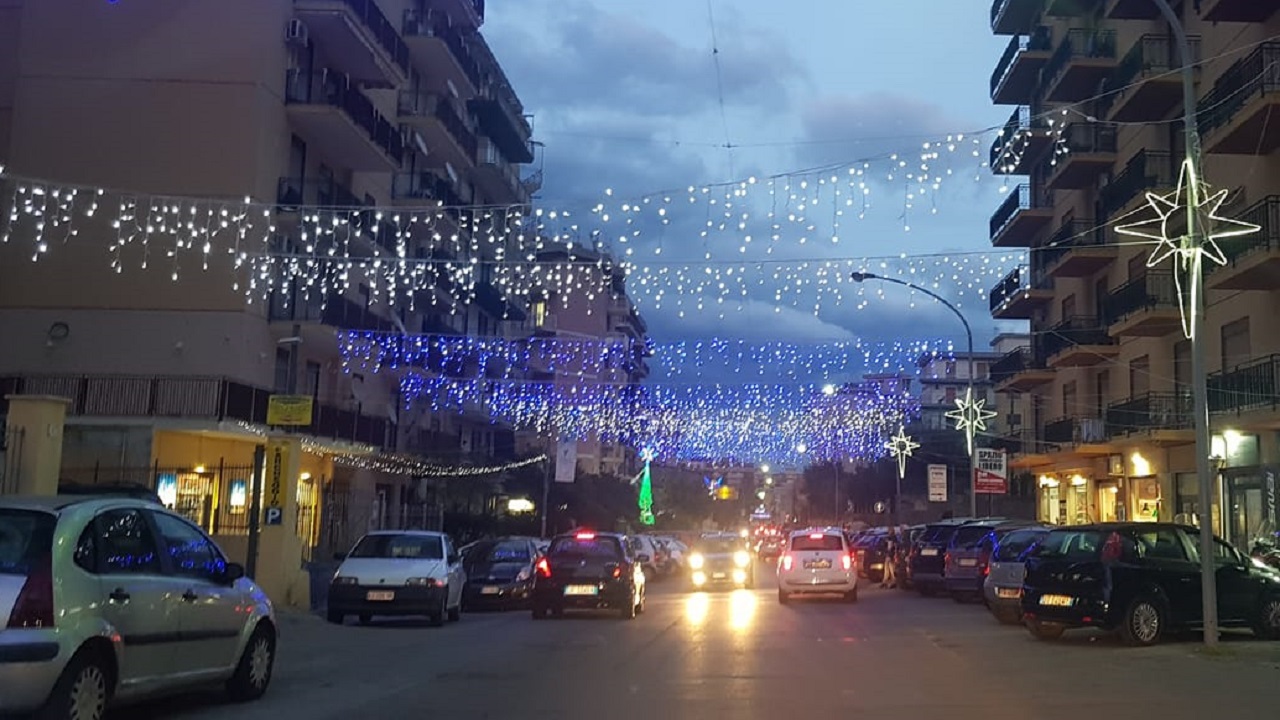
point(992, 473)
point(989, 483)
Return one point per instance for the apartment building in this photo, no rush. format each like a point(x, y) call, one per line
point(1094, 127)
point(319, 111)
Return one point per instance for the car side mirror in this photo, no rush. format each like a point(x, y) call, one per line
point(232, 572)
point(642, 557)
point(340, 556)
point(453, 559)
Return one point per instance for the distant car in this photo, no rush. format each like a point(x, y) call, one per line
point(112, 598)
point(817, 561)
point(499, 573)
point(398, 572)
point(721, 559)
point(588, 570)
point(769, 547)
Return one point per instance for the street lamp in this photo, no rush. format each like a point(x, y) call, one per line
point(968, 333)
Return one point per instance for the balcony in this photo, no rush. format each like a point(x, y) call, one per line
point(1080, 341)
point(1086, 436)
point(1238, 116)
point(357, 39)
point(1146, 306)
point(1147, 171)
point(464, 13)
point(1088, 150)
point(1011, 17)
point(1238, 11)
point(331, 114)
point(438, 118)
point(1144, 87)
point(331, 311)
point(331, 201)
point(439, 49)
point(1079, 65)
point(1017, 297)
point(497, 177)
point(502, 119)
point(1133, 9)
point(1078, 249)
point(1069, 8)
point(1020, 370)
point(1166, 418)
point(1251, 388)
point(1021, 217)
point(209, 399)
point(1018, 72)
point(1022, 141)
point(1253, 261)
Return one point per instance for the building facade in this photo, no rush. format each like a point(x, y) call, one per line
point(319, 111)
point(1096, 98)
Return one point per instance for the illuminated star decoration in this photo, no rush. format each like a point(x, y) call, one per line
point(900, 447)
point(971, 416)
point(1191, 256)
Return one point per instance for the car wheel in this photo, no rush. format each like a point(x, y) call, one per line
point(253, 673)
point(335, 617)
point(1143, 622)
point(1268, 625)
point(783, 597)
point(82, 691)
point(436, 617)
point(455, 613)
point(1044, 631)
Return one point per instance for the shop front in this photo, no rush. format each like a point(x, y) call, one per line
point(1067, 499)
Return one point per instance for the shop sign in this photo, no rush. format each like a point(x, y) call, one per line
point(1271, 506)
point(290, 410)
point(991, 472)
point(277, 481)
point(938, 483)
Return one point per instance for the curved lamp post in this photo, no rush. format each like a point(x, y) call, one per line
point(968, 333)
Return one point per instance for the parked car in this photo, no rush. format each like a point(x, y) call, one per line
point(499, 573)
point(114, 599)
point(902, 556)
point(1002, 587)
point(128, 490)
point(1143, 580)
point(588, 570)
point(928, 556)
point(398, 572)
point(817, 561)
point(968, 557)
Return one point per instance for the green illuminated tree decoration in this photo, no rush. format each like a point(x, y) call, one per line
point(646, 489)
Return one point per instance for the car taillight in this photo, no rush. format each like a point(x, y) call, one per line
point(617, 571)
point(786, 562)
point(984, 562)
point(846, 561)
point(34, 606)
point(946, 558)
point(543, 568)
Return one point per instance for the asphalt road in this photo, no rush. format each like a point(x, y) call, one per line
point(741, 655)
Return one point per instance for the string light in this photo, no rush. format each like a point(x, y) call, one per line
point(409, 466)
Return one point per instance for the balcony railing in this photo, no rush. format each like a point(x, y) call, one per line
point(1150, 411)
point(336, 90)
point(1153, 290)
point(1256, 74)
point(193, 398)
point(1017, 361)
point(1022, 198)
point(1150, 55)
point(1074, 430)
point(335, 311)
point(1266, 214)
point(1146, 170)
point(441, 108)
point(1013, 138)
point(383, 30)
point(1087, 138)
point(1019, 279)
point(1075, 331)
point(1040, 40)
point(296, 193)
point(1079, 43)
point(417, 24)
point(1249, 386)
point(1072, 234)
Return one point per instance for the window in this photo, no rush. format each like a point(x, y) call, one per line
point(1139, 376)
point(1160, 544)
point(1069, 408)
point(1075, 545)
point(408, 547)
point(1223, 554)
point(1236, 346)
point(803, 543)
point(126, 543)
point(1015, 543)
point(968, 537)
point(585, 547)
point(1101, 391)
point(1182, 366)
point(951, 396)
point(191, 553)
point(311, 380)
point(1068, 307)
point(26, 536)
point(951, 368)
point(1137, 267)
point(284, 358)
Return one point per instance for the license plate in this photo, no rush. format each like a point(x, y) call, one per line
point(968, 562)
point(581, 590)
point(1008, 592)
point(380, 596)
point(877, 566)
point(817, 564)
point(930, 552)
point(1057, 600)
point(489, 590)
point(718, 576)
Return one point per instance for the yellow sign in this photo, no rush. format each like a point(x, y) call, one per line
point(289, 410)
point(277, 481)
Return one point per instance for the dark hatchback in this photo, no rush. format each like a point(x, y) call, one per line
point(1143, 580)
point(499, 573)
point(968, 558)
point(587, 570)
point(927, 561)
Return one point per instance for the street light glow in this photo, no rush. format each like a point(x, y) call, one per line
point(828, 389)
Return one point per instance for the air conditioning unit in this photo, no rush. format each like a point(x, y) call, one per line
point(296, 33)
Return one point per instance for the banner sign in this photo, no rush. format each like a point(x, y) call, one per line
point(566, 461)
point(277, 482)
point(991, 473)
point(295, 410)
point(938, 483)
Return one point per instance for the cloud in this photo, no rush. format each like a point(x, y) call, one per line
point(842, 128)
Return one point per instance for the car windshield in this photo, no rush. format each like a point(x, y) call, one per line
point(586, 547)
point(820, 542)
point(1074, 545)
point(719, 545)
point(968, 536)
point(937, 533)
point(25, 537)
point(400, 547)
point(508, 551)
point(1015, 543)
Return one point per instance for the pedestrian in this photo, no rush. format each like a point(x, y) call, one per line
point(888, 579)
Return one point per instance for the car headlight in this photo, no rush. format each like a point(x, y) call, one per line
point(524, 574)
point(424, 582)
point(696, 561)
point(345, 580)
point(742, 558)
